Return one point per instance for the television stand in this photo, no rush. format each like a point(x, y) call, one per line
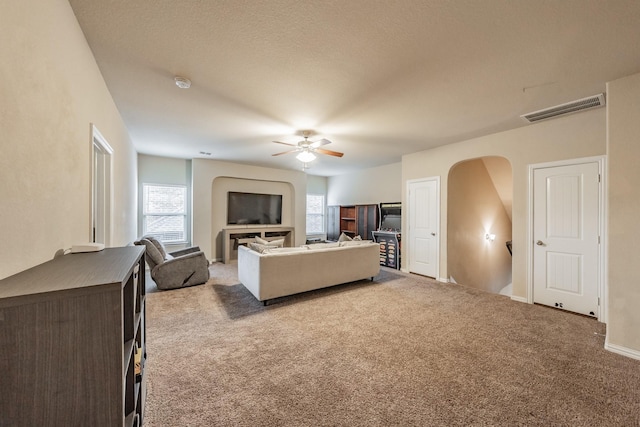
point(238, 236)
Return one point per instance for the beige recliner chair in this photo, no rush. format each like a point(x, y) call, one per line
point(178, 269)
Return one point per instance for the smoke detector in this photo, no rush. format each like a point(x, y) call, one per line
point(182, 82)
point(587, 103)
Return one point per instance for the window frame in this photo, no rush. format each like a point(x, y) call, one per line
point(184, 214)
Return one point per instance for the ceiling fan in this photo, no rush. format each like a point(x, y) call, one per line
point(306, 148)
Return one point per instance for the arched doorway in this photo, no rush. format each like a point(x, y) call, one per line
point(480, 194)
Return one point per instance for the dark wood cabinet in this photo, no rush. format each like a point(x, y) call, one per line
point(348, 220)
point(72, 341)
point(352, 220)
point(333, 223)
point(367, 221)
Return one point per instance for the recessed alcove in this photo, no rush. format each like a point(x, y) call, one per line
point(223, 184)
point(212, 180)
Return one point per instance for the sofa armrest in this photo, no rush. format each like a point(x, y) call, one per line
point(185, 251)
point(249, 270)
point(190, 269)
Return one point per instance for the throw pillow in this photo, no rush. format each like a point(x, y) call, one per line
point(344, 238)
point(279, 243)
point(260, 248)
point(357, 237)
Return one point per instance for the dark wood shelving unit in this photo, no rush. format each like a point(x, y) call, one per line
point(333, 223)
point(367, 220)
point(352, 220)
point(70, 331)
point(348, 223)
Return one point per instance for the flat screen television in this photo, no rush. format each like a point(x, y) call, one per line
point(253, 208)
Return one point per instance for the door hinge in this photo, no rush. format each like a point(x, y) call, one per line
point(599, 178)
point(598, 239)
point(598, 301)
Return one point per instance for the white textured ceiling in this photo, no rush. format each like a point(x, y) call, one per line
point(378, 78)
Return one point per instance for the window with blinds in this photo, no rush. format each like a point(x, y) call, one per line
point(315, 214)
point(164, 212)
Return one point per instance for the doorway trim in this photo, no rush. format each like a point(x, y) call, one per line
point(100, 178)
point(407, 253)
point(603, 288)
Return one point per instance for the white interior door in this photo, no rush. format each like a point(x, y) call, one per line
point(423, 227)
point(100, 188)
point(566, 224)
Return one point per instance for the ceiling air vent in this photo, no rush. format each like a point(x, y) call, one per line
point(568, 108)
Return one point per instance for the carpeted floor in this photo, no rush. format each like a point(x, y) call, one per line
point(402, 350)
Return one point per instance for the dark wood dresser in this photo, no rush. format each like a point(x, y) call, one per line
point(72, 341)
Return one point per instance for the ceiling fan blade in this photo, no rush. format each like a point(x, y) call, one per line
point(320, 143)
point(285, 152)
point(285, 143)
point(329, 152)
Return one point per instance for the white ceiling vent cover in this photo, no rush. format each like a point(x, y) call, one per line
point(587, 103)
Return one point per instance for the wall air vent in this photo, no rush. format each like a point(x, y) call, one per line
point(588, 103)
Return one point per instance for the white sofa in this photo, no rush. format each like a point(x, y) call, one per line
point(288, 271)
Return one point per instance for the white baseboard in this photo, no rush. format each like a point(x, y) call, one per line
point(518, 299)
point(633, 354)
point(443, 280)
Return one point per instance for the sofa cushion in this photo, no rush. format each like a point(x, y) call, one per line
point(344, 238)
point(285, 250)
point(315, 246)
point(355, 243)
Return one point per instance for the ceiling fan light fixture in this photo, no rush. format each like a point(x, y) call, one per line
point(306, 156)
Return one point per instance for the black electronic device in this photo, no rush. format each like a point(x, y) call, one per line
point(253, 208)
point(390, 217)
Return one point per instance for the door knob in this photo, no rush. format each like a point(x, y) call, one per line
point(433, 234)
point(539, 243)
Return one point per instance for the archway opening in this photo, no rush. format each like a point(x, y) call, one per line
point(479, 229)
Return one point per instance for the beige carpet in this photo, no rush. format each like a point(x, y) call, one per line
point(399, 351)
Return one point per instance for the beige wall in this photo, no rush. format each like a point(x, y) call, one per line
point(500, 173)
point(475, 209)
point(574, 136)
point(373, 185)
point(212, 179)
point(623, 148)
point(50, 91)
